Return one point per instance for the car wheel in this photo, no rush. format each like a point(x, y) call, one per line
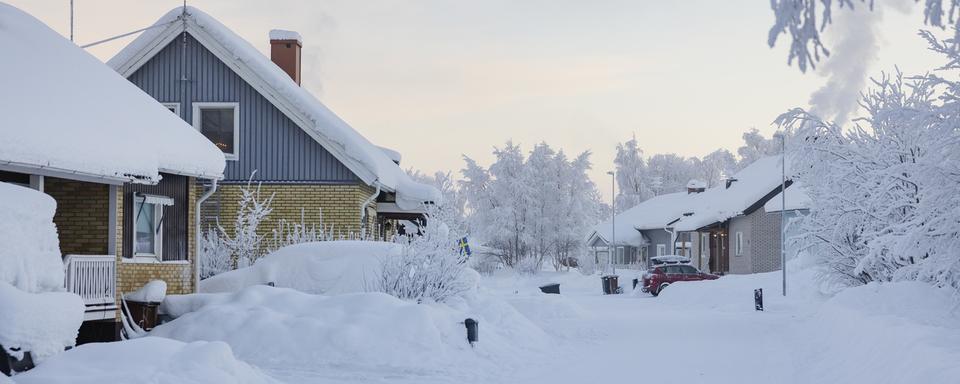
point(660, 288)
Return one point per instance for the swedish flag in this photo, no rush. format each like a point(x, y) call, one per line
point(465, 247)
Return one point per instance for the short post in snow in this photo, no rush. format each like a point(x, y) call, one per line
point(472, 330)
point(758, 299)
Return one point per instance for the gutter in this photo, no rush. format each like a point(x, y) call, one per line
point(363, 208)
point(196, 222)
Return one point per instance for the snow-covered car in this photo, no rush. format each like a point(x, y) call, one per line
point(658, 278)
point(669, 259)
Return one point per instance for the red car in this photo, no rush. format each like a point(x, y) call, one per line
point(658, 278)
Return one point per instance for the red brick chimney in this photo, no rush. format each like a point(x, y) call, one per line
point(285, 52)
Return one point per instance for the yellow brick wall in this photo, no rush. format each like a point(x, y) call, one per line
point(339, 206)
point(82, 216)
point(178, 275)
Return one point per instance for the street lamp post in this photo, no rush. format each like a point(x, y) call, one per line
point(783, 209)
point(613, 220)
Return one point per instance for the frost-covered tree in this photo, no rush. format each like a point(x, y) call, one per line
point(805, 20)
point(215, 254)
point(631, 168)
point(885, 188)
point(756, 146)
point(717, 165)
point(528, 210)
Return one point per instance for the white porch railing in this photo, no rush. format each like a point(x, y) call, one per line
point(94, 279)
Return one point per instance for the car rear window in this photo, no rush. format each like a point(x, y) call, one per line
point(689, 270)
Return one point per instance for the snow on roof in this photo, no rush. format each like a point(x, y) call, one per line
point(392, 154)
point(367, 161)
point(65, 111)
point(721, 203)
point(653, 213)
point(797, 199)
point(282, 34)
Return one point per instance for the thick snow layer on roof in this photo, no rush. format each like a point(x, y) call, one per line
point(146, 360)
point(797, 199)
point(62, 108)
point(721, 203)
point(392, 154)
point(653, 213)
point(282, 34)
point(41, 323)
point(30, 251)
point(360, 155)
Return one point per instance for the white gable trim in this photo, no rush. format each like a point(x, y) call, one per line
point(170, 33)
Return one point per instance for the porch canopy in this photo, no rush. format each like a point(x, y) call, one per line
point(67, 114)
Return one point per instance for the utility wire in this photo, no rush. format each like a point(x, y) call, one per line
point(127, 34)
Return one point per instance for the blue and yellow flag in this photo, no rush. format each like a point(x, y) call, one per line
point(465, 247)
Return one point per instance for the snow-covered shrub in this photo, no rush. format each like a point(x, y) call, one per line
point(246, 242)
point(885, 190)
point(215, 254)
point(429, 267)
point(30, 251)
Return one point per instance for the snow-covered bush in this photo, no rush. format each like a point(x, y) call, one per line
point(215, 254)
point(290, 233)
point(30, 251)
point(885, 190)
point(246, 242)
point(429, 267)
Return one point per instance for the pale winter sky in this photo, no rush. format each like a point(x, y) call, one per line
point(438, 79)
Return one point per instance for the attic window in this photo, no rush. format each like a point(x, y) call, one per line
point(219, 122)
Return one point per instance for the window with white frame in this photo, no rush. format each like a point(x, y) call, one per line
point(738, 244)
point(704, 244)
point(661, 249)
point(173, 107)
point(219, 122)
point(148, 225)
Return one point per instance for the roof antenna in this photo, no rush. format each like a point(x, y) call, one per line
point(71, 20)
point(183, 18)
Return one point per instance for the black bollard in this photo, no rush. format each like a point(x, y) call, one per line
point(758, 299)
point(472, 330)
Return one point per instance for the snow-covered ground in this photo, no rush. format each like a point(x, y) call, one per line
point(702, 332)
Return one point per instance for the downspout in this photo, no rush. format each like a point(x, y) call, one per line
point(196, 223)
point(363, 207)
point(673, 240)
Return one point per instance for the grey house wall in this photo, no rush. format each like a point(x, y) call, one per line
point(761, 242)
point(658, 236)
point(269, 141)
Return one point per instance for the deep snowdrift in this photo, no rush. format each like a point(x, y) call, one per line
point(326, 267)
point(42, 323)
point(147, 360)
point(282, 328)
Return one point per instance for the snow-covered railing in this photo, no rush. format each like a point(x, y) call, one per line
point(93, 278)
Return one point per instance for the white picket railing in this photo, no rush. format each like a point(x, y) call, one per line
point(93, 278)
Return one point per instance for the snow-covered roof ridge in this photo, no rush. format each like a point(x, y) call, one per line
point(66, 112)
point(654, 213)
point(361, 156)
point(747, 187)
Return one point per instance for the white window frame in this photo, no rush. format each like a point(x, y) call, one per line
point(158, 236)
point(198, 106)
point(175, 106)
point(661, 249)
point(738, 244)
point(704, 243)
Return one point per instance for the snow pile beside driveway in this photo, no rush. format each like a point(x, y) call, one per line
point(327, 267)
point(368, 333)
point(146, 360)
point(905, 332)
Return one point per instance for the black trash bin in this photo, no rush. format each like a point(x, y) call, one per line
point(610, 284)
point(10, 365)
point(635, 282)
point(551, 288)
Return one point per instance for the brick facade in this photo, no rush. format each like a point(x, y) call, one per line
point(761, 238)
point(338, 204)
point(82, 216)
